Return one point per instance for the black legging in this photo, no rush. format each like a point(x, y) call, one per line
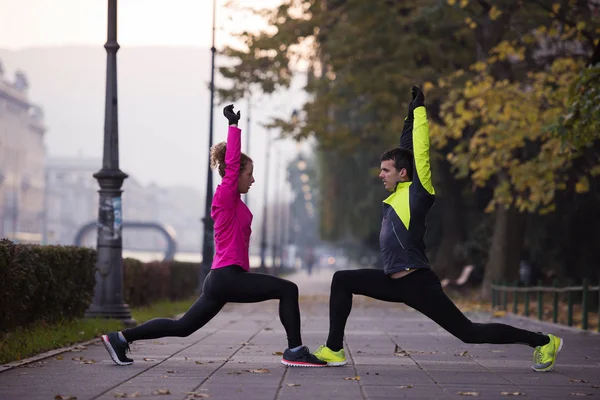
point(422, 291)
point(228, 285)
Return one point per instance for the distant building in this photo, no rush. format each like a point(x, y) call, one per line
point(72, 200)
point(22, 156)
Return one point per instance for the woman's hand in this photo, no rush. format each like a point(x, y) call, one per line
point(231, 116)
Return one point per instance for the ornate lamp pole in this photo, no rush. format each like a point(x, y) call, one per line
point(208, 241)
point(108, 293)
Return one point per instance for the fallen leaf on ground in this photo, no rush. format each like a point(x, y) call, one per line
point(596, 387)
point(577, 380)
point(463, 354)
point(497, 351)
point(498, 314)
point(354, 378)
point(162, 391)
point(59, 397)
point(89, 362)
point(474, 394)
point(198, 362)
point(512, 394)
point(580, 394)
point(268, 329)
point(59, 357)
point(171, 371)
point(149, 359)
point(278, 353)
point(197, 395)
point(405, 387)
point(245, 343)
point(234, 373)
point(77, 358)
point(120, 395)
point(401, 353)
point(258, 371)
point(292, 384)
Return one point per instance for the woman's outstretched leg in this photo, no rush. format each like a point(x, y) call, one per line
point(203, 310)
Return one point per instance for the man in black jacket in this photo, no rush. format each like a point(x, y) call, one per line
point(407, 276)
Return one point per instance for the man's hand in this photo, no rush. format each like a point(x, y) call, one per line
point(418, 98)
point(231, 116)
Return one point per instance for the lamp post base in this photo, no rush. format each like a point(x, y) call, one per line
point(112, 311)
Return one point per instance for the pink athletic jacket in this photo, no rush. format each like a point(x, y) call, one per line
point(231, 216)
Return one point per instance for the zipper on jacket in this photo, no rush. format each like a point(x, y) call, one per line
point(399, 241)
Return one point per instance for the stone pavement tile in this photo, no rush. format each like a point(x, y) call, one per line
point(320, 390)
point(392, 375)
point(368, 360)
point(254, 373)
point(424, 391)
point(166, 387)
point(454, 375)
point(65, 377)
point(484, 391)
point(559, 392)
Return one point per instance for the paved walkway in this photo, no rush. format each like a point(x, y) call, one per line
point(393, 353)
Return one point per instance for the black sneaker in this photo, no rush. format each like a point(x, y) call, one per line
point(117, 349)
point(301, 358)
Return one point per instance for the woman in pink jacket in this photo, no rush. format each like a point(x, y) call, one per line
point(229, 279)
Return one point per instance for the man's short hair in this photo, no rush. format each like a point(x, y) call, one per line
point(403, 158)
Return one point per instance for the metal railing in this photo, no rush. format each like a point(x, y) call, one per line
point(501, 289)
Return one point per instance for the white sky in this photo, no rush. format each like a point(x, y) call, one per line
point(33, 23)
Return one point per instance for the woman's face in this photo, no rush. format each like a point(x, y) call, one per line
point(246, 178)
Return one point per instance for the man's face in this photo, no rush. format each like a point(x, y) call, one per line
point(390, 176)
point(246, 178)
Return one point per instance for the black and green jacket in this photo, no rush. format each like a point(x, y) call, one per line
point(404, 211)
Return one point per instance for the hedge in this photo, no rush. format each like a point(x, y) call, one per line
point(46, 283)
point(54, 283)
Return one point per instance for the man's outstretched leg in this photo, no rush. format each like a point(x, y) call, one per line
point(368, 282)
point(427, 296)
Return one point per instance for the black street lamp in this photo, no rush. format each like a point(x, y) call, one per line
point(276, 215)
point(263, 240)
point(208, 241)
point(108, 293)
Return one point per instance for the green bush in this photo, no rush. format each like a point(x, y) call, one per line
point(44, 283)
point(146, 283)
point(184, 279)
point(54, 283)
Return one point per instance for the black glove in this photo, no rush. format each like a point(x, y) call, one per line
point(232, 117)
point(418, 97)
point(418, 100)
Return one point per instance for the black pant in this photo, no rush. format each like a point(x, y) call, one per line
point(422, 291)
point(228, 285)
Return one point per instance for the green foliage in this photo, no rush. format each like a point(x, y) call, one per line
point(147, 283)
point(48, 283)
point(515, 111)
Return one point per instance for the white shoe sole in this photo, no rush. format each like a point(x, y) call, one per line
point(337, 364)
point(301, 365)
point(112, 352)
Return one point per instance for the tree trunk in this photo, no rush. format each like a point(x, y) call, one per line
point(505, 251)
point(448, 262)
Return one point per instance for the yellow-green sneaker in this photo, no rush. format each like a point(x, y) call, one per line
point(545, 356)
point(333, 358)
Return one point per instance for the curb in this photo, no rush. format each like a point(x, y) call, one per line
point(549, 324)
point(42, 356)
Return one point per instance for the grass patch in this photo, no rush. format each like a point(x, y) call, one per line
point(40, 337)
